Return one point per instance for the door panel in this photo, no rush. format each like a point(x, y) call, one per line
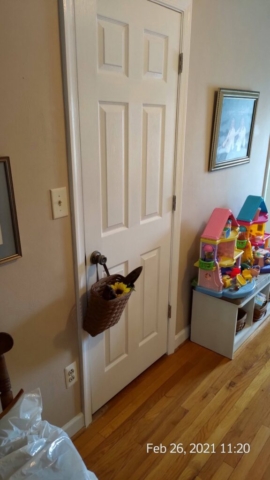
point(116, 345)
point(128, 115)
point(155, 55)
point(113, 132)
point(149, 296)
point(152, 159)
point(112, 45)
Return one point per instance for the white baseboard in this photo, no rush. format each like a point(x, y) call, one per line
point(182, 336)
point(74, 425)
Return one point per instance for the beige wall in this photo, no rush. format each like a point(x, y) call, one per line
point(229, 48)
point(37, 291)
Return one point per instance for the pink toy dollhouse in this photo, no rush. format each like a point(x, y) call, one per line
point(252, 219)
point(254, 216)
point(218, 251)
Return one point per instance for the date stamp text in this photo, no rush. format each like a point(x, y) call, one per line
point(194, 448)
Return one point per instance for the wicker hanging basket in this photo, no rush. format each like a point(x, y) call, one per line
point(102, 314)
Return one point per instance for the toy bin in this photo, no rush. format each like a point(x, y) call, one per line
point(259, 312)
point(241, 320)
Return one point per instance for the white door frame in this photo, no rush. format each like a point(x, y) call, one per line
point(70, 80)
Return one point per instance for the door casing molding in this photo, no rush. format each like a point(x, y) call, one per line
point(71, 98)
point(178, 5)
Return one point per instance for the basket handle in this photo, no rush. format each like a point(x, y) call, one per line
point(97, 258)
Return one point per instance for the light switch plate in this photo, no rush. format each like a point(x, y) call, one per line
point(59, 202)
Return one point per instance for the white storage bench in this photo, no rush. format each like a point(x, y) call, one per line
point(213, 321)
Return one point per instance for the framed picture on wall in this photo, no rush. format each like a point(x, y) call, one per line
point(234, 120)
point(10, 246)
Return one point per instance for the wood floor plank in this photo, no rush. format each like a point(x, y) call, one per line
point(129, 465)
point(194, 396)
point(169, 364)
point(132, 427)
point(204, 385)
point(198, 428)
point(209, 419)
point(223, 473)
point(248, 460)
point(266, 474)
point(261, 463)
point(126, 443)
point(144, 395)
point(250, 421)
point(243, 431)
point(196, 464)
point(91, 445)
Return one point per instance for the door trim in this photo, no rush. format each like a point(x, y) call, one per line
point(179, 171)
point(177, 5)
point(70, 83)
point(71, 100)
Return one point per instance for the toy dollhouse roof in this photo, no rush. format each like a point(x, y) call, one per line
point(250, 208)
point(217, 222)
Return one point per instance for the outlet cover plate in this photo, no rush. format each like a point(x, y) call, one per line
point(71, 374)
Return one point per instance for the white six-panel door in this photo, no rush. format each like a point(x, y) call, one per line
point(127, 54)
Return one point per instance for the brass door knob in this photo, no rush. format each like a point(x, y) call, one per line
point(97, 257)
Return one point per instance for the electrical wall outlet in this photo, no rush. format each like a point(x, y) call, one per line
point(71, 375)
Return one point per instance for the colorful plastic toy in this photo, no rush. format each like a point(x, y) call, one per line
point(252, 219)
point(253, 216)
point(220, 259)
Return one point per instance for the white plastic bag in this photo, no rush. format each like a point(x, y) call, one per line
point(32, 448)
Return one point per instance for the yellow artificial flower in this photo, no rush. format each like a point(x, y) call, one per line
point(120, 288)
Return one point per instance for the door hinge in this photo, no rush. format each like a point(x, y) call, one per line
point(85, 261)
point(180, 65)
point(174, 203)
point(169, 311)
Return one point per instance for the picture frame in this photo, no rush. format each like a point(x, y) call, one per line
point(234, 120)
point(10, 245)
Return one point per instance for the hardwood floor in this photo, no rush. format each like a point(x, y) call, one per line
point(194, 396)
